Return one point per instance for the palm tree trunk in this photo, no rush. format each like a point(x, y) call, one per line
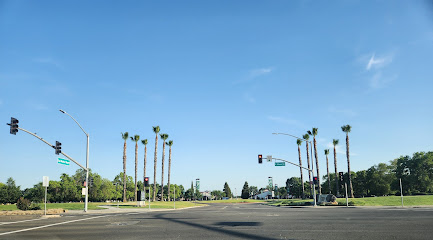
point(162, 175)
point(348, 165)
point(169, 172)
point(327, 170)
point(124, 172)
point(154, 167)
point(300, 169)
point(336, 174)
point(136, 163)
point(144, 168)
point(317, 165)
point(309, 172)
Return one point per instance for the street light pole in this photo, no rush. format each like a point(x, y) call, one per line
point(312, 163)
point(87, 161)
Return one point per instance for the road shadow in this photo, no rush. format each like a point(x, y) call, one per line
point(219, 229)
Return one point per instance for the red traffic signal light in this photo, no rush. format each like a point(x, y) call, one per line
point(146, 181)
point(315, 180)
point(260, 158)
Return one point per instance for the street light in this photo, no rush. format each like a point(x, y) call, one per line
point(312, 164)
point(87, 161)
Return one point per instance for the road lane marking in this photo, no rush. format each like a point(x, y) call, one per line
point(4, 223)
point(50, 225)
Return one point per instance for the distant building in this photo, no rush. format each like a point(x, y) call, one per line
point(206, 195)
point(266, 194)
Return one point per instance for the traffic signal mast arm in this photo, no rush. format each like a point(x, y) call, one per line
point(49, 144)
point(293, 164)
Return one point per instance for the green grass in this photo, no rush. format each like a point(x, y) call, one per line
point(234, 200)
point(290, 202)
point(421, 200)
point(66, 206)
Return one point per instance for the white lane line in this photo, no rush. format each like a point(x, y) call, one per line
point(4, 223)
point(50, 225)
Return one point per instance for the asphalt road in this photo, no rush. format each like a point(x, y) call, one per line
point(230, 221)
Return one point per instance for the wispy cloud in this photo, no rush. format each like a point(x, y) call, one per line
point(49, 61)
point(378, 81)
point(260, 71)
point(347, 112)
point(255, 74)
point(378, 62)
point(338, 148)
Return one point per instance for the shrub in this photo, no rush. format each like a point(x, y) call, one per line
point(35, 206)
point(23, 204)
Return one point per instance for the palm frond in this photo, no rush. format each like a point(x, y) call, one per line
point(164, 136)
point(309, 132)
point(125, 136)
point(156, 129)
point(315, 131)
point(326, 151)
point(335, 142)
point(169, 143)
point(144, 141)
point(299, 142)
point(306, 137)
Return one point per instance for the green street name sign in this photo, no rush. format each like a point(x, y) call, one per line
point(280, 164)
point(63, 161)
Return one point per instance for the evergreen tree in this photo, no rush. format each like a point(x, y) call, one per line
point(227, 190)
point(245, 191)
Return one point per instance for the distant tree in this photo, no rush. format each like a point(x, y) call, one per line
point(218, 194)
point(35, 194)
point(347, 129)
point(306, 137)
point(164, 137)
point(335, 143)
point(327, 170)
point(253, 190)
point(314, 133)
point(69, 191)
point(9, 192)
point(136, 138)
point(156, 131)
point(245, 191)
point(293, 186)
point(124, 137)
point(299, 142)
point(118, 181)
point(227, 190)
point(144, 142)
point(169, 144)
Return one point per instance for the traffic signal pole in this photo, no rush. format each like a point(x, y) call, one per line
point(314, 186)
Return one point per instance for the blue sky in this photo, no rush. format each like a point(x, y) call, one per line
point(217, 76)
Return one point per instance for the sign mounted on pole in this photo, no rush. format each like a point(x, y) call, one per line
point(269, 158)
point(63, 161)
point(45, 181)
point(280, 164)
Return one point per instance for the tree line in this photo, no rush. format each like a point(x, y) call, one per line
point(69, 189)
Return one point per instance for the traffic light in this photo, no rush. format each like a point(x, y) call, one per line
point(14, 126)
point(58, 147)
point(146, 181)
point(260, 159)
point(90, 181)
point(315, 180)
point(341, 176)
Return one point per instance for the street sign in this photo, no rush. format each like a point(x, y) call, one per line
point(84, 191)
point(280, 164)
point(45, 181)
point(63, 161)
point(269, 158)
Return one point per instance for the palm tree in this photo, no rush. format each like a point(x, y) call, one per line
point(156, 131)
point(299, 142)
point(347, 129)
point(314, 133)
point(306, 138)
point(124, 137)
point(335, 143)
point(164, 137)
point(145, 161)
point(169, 143)
point(327, 169)
point(136, 138)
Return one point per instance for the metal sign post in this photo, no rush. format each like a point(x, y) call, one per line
point(174, 197)
point(401, 192)
point(45, 183)
point(347, 200)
